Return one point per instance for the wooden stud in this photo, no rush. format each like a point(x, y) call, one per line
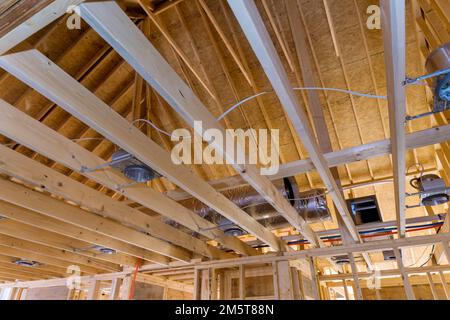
point(432, 286)
point(93, 290)
point(407, 285)
point(241, 282)
point(197, 284)
point(444, 285)
point(358, 291)
point(205, 293)
point(115, 289)
point(314, 282)
point(347, 295)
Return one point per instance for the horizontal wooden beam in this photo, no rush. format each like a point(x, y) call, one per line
point(57, 244)
point(48, 206)
point(373, 246)
point(74, 258)
point(37, 222)
point(141, 277)
point(40, 73)
point(385, 273)
point(45, 141)
point(27, 170)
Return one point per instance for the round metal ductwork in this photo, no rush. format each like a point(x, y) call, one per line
point(27, 263)
point(234, 232)
point(439, 59)
point(132, 168)
point(432, 190)
point(341, 260)
point(105, 250)
point(139, 173)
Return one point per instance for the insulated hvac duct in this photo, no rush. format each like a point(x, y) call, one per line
point(439, 60)
point(310, 205)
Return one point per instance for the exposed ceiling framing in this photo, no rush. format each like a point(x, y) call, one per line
point(69, 98)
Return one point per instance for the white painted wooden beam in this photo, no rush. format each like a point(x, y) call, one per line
point(253, 26)
point(117, 29)
point(394, 37)
point(37, 22)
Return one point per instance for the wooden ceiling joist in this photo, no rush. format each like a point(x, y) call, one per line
point(51, 81)
point(253, 26)
point(74, 258)
point(394, 36)
point(34, 219)
point(36, 201)
point(21, 167)
point(33, 256)
point(47, 142)
point(61, 243)
point(128, 41)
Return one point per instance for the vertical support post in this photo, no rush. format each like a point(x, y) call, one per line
point(444, 285)
point(347, 296)
point(378, 294)
point(222, 286)
point(314, 284)
point(12, 294)
point(408, 288)
point(241, 282)
point(70, 294)
point(358, 293)
point(94, 287)
point(214, 286)
point(432, 286)
point(197, 284)
point(446, 249)
point(296, 284)
point(205, 285)
point(115, 289)
point(126, 288)
point(276, 291)
point(284, 281)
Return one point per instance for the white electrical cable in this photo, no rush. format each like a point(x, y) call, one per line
point(152, 125)
point(371, 96)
